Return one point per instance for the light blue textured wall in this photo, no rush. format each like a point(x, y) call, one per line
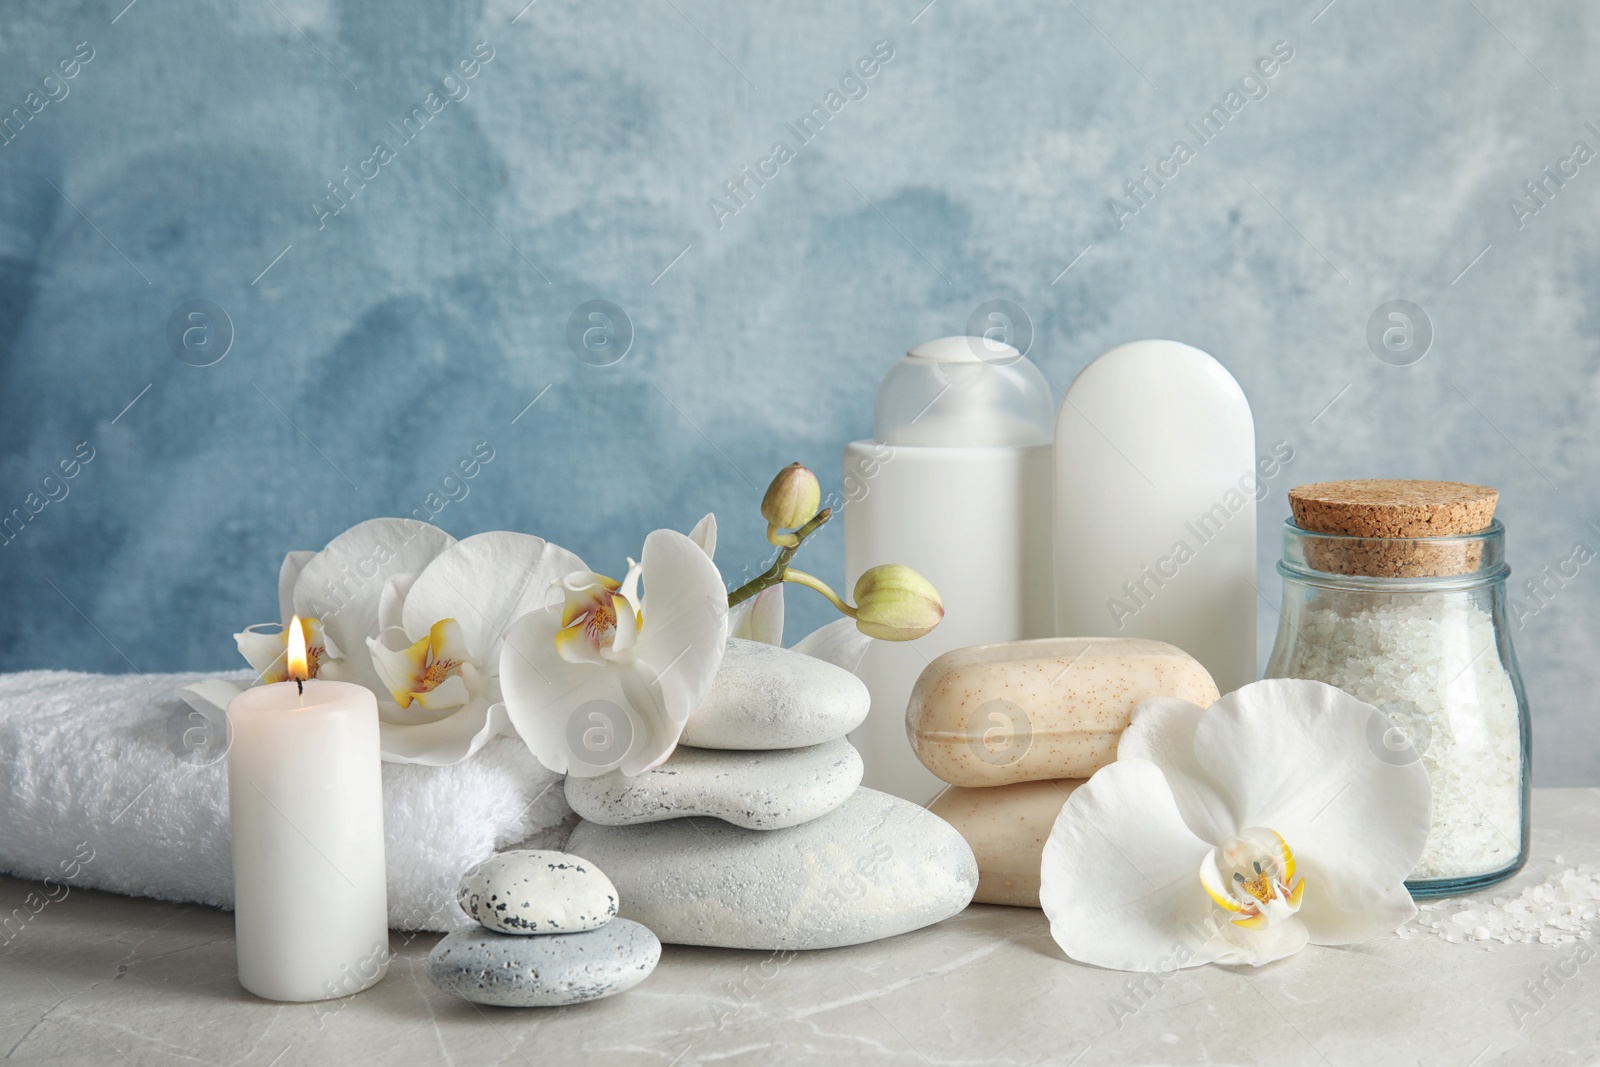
point(373, 348)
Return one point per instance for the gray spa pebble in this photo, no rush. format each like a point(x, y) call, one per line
point(767, 697)
point(534, 972)
point(537, 892)
point(759, 790)
point(875, 867)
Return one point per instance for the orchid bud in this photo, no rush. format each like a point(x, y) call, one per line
point(792, 499)
point(895, 603)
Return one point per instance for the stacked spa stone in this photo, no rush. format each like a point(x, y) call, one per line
point(755, 833)
point(1014, 728)
point(549, 935)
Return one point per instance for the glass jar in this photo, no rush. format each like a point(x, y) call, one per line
point(1417, 628)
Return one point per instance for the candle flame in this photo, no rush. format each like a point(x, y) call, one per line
point(296, 651)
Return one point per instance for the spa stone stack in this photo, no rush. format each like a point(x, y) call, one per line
point(755, 833)
point(548, 935)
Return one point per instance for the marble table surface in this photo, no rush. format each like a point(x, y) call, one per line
point(103, 979)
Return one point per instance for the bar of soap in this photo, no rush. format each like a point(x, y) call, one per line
point(1006, 827)
point(1027, 711)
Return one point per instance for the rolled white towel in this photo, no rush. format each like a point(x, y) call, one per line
point(120, 769)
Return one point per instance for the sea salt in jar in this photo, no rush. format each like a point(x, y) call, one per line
point(1394, 591)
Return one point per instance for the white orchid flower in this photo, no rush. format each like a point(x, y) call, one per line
point(607, 677)
point(1279, 816)
point(343, 585)
point(336, 593)
point(437, 652)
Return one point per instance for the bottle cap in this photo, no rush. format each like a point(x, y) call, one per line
point(964, 392)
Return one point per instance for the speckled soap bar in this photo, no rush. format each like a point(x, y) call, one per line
point(1027, 711)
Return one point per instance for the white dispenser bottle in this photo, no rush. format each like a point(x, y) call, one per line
point(956, 485)
point(1155, 502)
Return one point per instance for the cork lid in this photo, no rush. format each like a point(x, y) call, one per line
point(1385, 528)
point(1379, 507)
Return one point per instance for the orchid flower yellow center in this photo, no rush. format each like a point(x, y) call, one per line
point(422, 672)
point(600, 617)
point(1252, 877)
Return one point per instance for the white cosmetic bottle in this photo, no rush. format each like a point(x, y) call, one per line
point(1155, 506)
point(956, 485)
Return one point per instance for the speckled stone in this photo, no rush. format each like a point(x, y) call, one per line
point(874, 867)
point(766, 697)
point(758, 790)
point(507, 971)
point(537, 892)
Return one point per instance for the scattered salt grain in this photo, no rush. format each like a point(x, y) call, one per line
point(1559, 911)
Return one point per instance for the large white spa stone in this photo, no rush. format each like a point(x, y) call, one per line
point(875, 867)
point(534, 891)
point(758, 790)
point(767, 697)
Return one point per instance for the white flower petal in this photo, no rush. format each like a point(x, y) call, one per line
point(1295, 756)
point(1329, 924)
point(685, 621)
point(210, 696)
point(341, 585)
point(444, 741)
point(391, 600)
point(263, 651)
point(1162, 731)
point(760, 618)
point(485, 582)
point(1119, 876)
point(1263, 945)
point(704, 534)
point(288, 574)
point(839, 642)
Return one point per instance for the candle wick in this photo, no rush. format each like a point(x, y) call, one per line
point(300, 684)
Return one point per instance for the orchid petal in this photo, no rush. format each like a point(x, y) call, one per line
point(342, 584)
point(399, 669)
point(1295, 756)
point(686, 624)
point(288, 574)
point(1118, 876)
point(391, 600)
point(839, 642)
point(263, 651)
point(760, 618)
point(1162, 730)
point(443, 741)
point(627, 623)
point(1257, 941)
point(704, 534)
point(210, 696)
point(485, 582)
point(1329, 924)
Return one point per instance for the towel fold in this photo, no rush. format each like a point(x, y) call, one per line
point(119, 769)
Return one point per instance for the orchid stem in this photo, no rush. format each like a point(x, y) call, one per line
point(811, 581)
point(780, 566)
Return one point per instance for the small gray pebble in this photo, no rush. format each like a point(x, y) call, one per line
point(535, 972)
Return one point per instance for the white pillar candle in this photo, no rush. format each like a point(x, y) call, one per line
point(305, 787)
